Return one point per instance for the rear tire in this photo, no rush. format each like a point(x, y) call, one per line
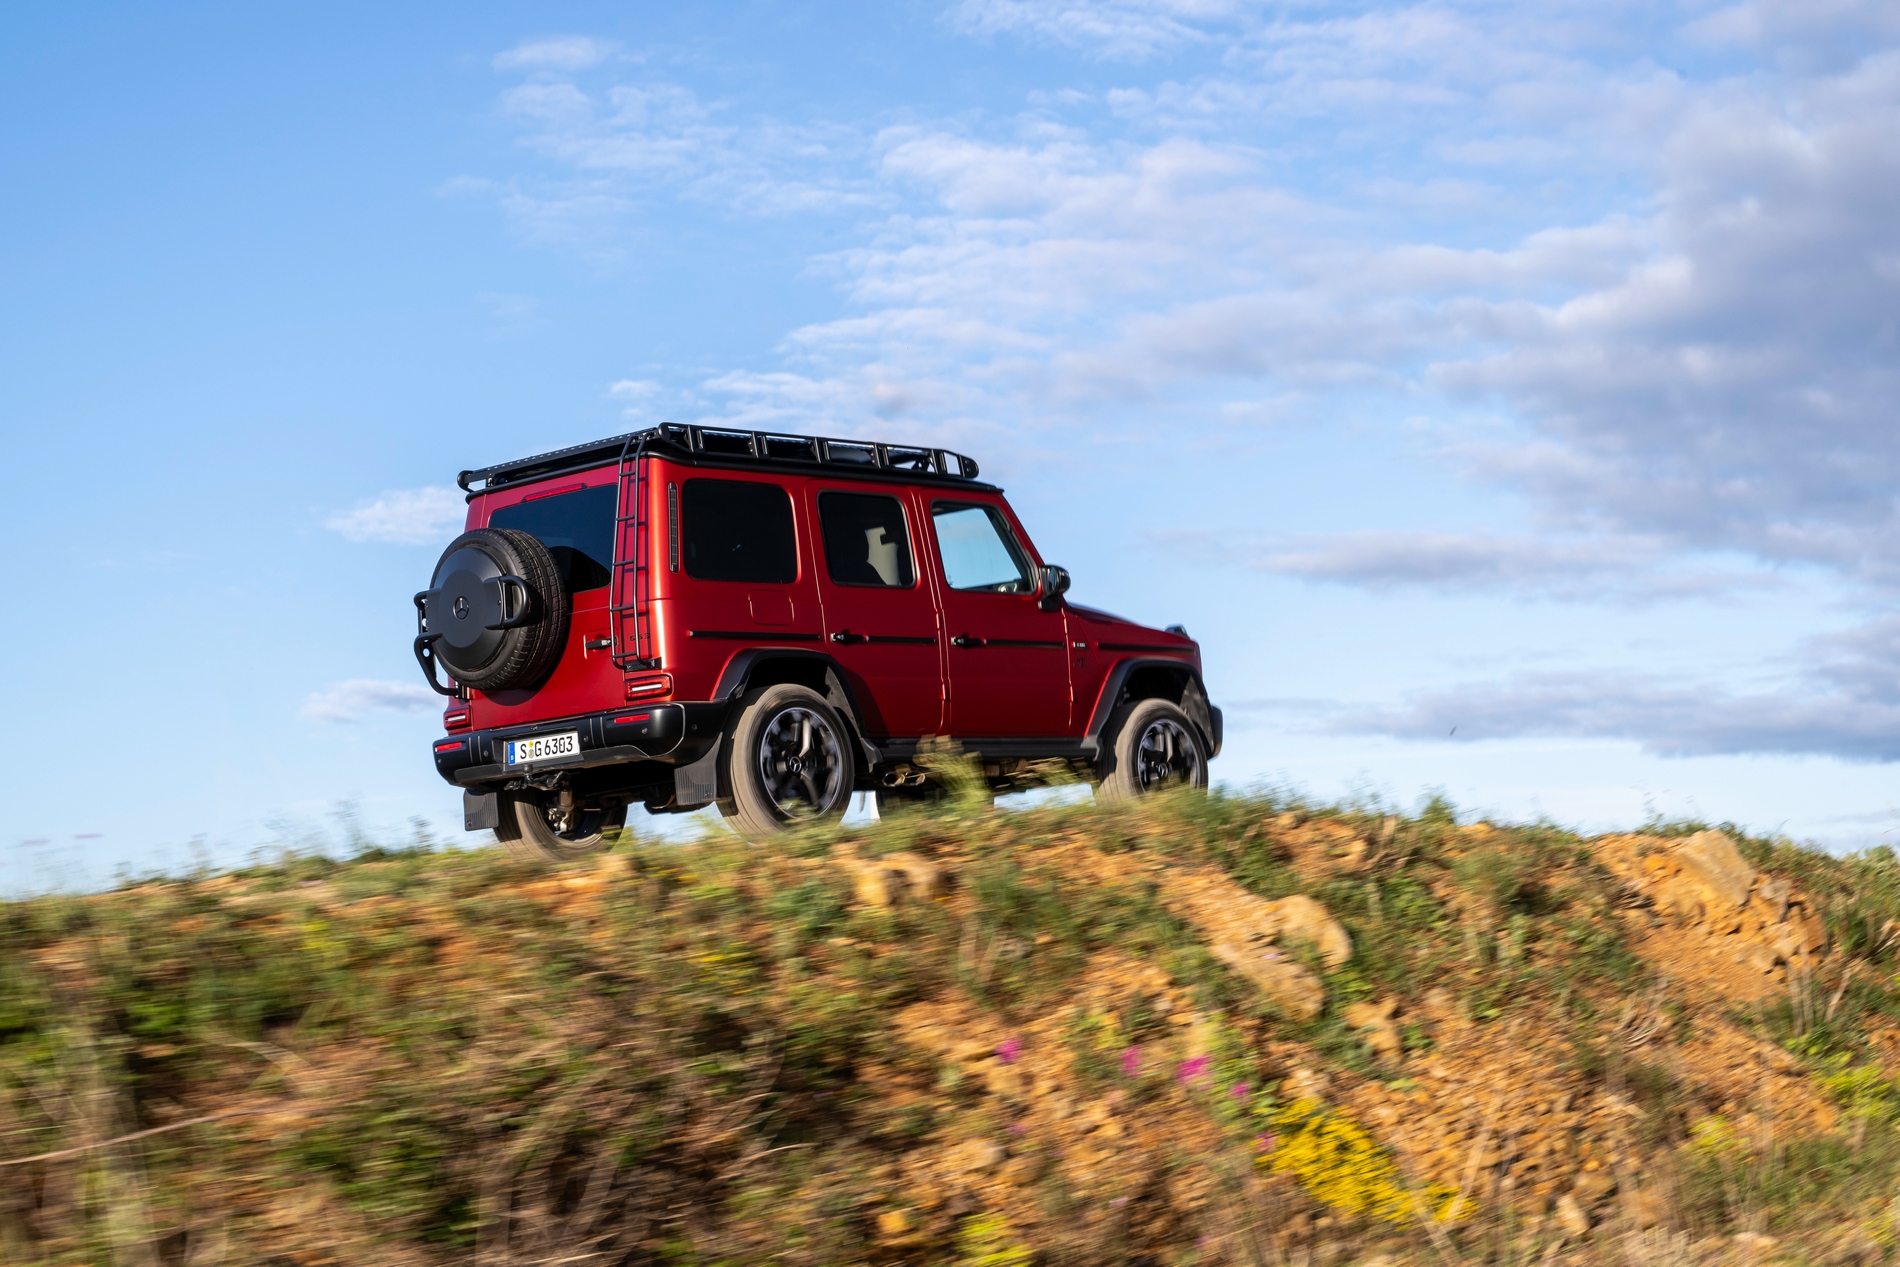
point(1153, 746)
point(532, 829)
point(788, 761)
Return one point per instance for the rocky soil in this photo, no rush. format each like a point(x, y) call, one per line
point(1182, 1032)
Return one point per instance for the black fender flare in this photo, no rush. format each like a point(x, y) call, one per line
point(736, 678)
point(1206, 718)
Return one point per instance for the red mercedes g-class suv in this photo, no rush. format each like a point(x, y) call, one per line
point(689, 616)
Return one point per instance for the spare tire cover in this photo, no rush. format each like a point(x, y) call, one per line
point(475, 618)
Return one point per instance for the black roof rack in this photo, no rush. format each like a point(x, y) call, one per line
point(728, 447)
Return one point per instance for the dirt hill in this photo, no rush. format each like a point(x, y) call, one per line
point(1186, 1032)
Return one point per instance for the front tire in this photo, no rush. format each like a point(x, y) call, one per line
point(1155, 746)
point(788, 761)
point(538, 831)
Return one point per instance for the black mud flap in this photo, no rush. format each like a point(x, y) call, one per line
point(697, 785)
point(481, 811)
point(1202, 714)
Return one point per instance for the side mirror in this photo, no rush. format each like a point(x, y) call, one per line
point(1055, 583)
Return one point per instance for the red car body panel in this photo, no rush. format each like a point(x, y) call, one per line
point(915, 660)
point(1026, 679)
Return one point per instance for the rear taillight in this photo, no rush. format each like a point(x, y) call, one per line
point(641, 688)
point(455, 721)
point(632, 719)
point(453, 745)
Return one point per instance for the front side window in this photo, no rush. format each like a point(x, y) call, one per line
point(865, 540)
point(577, 528)
point(736, 530)
point(979, 551)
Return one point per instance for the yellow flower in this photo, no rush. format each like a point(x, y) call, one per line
point(1341, 1164)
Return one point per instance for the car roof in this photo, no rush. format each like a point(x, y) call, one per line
point(722, 447)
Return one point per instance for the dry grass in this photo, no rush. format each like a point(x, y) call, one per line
point(714, 1054)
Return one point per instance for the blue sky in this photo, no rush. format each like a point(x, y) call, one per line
point(1503, 394)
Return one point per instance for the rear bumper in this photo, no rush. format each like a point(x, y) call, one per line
point(673, 734)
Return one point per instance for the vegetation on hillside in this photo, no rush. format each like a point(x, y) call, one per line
point(959, 1037)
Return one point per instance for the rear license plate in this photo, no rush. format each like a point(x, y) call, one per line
point(541, 748)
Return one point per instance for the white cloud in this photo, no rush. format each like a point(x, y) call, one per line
point(1673, 290)
point(1800, 23)
point(784, 401)
point(631, 139)
point(635, 394)
point(414, 516)
point(1130, 30)
point(1591, 568)
point(1736, 386)
point(1718, 376)
point(1667, 717)
point(348, 701)
point(1843, 701)
point(567, 52)
point(1709, 371)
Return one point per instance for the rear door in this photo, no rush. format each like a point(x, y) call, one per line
point(880, 620)
point(1007, 660)
point(744, 578)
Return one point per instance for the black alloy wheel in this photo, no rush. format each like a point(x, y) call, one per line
point(1151, 746)
point(788, 760)
point(801, 762)
point(1167, 754)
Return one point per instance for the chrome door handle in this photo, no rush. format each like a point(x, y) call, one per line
point(844, 637)
point(965, 640)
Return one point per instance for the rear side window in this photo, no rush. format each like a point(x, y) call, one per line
point(577, 528)
point(865, 540)
point(735, 530)
point(979, 552)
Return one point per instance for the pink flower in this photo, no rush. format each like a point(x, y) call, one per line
point(1240, 1091)
point(1192, 1071)
point(1264, 1143)
point(1017, 1128)
point(1131, 1062)
point(1009, 1049)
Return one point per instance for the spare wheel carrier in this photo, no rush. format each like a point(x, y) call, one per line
point(495, 614)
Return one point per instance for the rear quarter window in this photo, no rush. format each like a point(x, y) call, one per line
point(577, 528)
point(865, 540)
point(738, 530)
